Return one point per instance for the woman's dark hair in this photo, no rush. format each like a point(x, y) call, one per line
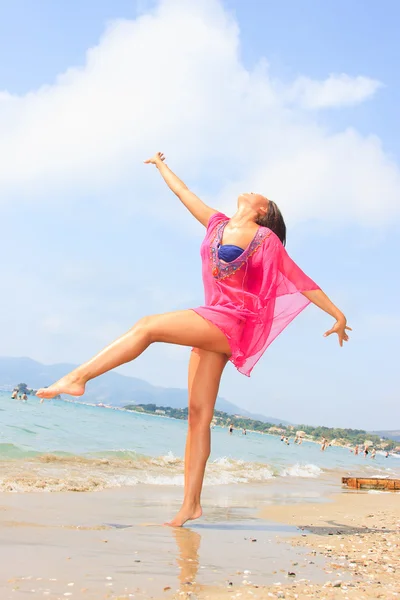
point(274, 221)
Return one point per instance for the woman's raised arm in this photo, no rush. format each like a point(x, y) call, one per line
point(197, 207)
point(292, 272)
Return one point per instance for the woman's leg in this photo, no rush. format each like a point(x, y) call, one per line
point(184, 327)
point(205, 370)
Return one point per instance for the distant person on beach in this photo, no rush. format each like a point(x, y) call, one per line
point(324, 444)
point(244, 432)
point(386, 454)
point(373, 453)
point(14, 395)
point(298, 439)
point(253, 290)
point(230, 429)
point(356, 450)
point(24, 397)
point(366, 451)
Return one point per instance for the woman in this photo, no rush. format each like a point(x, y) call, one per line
point(252, 292)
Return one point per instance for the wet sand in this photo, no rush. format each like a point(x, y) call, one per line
point(254, 541)
point(358, 533)
point(355, 540)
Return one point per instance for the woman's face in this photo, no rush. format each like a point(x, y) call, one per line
point(254, 201)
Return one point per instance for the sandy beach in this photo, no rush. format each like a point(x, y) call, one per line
point(358, 535)
point(308, 539)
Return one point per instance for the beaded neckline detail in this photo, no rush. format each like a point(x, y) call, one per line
point(221, 270)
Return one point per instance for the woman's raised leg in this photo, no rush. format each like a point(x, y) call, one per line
point(205, 370)
point(184, 327)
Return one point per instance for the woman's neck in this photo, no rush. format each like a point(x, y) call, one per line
point(243, 217)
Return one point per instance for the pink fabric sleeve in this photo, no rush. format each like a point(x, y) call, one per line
point(291, 278)
point(215, 219)
point(282, 289)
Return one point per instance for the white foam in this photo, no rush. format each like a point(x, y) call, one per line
point(162, 470)
point(165, 460)
point(298, 470)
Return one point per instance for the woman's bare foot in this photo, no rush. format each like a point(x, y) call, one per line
point(185, 514)
point(70, 384)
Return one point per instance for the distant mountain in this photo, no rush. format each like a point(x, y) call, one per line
point(393, 435)
point(111, 388)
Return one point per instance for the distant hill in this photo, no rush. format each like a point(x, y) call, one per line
point(111, 388)
point(393, 434)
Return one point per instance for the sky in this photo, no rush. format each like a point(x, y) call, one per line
point(297, 101)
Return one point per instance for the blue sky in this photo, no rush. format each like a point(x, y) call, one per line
point(298, 101)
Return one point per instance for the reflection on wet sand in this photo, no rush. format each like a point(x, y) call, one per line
point(188, 543)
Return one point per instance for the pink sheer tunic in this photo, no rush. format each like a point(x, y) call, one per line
point(253, 298)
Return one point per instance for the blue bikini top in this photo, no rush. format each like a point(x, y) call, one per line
point(229, 252)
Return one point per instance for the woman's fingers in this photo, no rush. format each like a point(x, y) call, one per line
point(343, 338)
point(342, 335)
point(158, 156)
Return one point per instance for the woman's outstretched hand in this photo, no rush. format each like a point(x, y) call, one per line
point(339, 328)
point(157, 158)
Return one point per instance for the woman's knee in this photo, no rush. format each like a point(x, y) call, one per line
point(199, 416)
point(145, 328)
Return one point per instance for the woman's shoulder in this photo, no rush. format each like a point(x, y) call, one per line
point(220, 216)
point(270, 234)
point(274, 243)
point(217, 217)
point(272, 247)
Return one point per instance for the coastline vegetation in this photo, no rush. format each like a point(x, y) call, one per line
point(334, 435)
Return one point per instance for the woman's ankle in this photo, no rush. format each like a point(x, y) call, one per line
point(191, 503)
point(78, 376)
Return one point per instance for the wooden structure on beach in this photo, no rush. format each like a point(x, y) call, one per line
point(371, 483)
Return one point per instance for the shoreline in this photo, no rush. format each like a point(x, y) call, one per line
point(111, 544)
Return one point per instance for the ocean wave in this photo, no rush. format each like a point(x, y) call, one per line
point(298, 470)
point(52, 472)
point(11, 451)
point(375, 470)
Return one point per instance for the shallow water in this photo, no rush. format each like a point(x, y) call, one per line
point(60, 445)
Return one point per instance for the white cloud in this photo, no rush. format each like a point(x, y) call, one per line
point(336, 91)
point(173, 80)
point(170, 80)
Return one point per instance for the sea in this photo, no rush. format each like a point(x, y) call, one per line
point(68, 446)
